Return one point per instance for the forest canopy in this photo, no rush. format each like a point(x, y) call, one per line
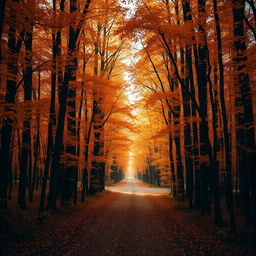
point(91, 91)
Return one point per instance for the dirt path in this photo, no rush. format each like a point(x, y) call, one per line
point(131, 224)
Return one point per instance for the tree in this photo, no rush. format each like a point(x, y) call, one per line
point(244, 117)
point(14, 46)
point(68, 75)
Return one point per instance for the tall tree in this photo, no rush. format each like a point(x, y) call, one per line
point(71, 171)
point(56, 42)
point(244, 116)
point(2, 8)
point(14, 46)
point(70, 68)
point(25, 167)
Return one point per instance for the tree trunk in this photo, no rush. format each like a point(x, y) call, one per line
point(97, 146)
point(25, 167)
point(2, 11)
point(6, 129)
point(224, 118)
point(193, 176)
point(56, 39)
point(71, 171)
point(187, 133)
point(203, 127)
point(68, 74)
point(36, 155)
point(173, 176)
point(244, 119)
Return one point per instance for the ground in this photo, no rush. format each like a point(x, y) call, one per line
point(130, 220)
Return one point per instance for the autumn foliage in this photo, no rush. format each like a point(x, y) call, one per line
point(166, 92)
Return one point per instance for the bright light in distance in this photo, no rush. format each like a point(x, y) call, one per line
point(130, 5)
point(129, 173)
point(131, 94)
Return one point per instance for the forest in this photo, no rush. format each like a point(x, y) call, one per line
point(94, 91)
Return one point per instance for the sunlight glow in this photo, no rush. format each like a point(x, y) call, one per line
point(137, 193)
point(134, 187)
point(131, 94)
point(130, 171)
point(131, 7)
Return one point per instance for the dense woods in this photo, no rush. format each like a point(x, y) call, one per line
point(61, 99)
point(91, 91)
point(196, 74)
